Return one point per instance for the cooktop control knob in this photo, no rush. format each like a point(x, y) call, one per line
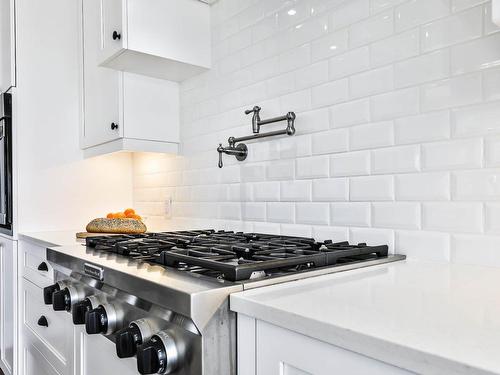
point(137, 333)
point(159, 355)
point(79, 311)
point(49, 291)
point(96, 321)
point(104, 319)
point(127, 341)
point(61, 300)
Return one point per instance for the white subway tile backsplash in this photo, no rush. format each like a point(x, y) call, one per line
point(476, 120)
point(281, 170)
point(397, 132)
point(330, 93)
point(373, 237)
point(330, 190)
point(350, 113)
point(458, 5)
point(329, 45)
point(492, 151)
point(480, 185)
point(266, 191)
point(476, 55)
point(349, 63)
point(371, 29)
point(396, 160)
point(458, 28)
point(337, 234)
point(492, 217)
point(350, 213)
point(417, 12)
point(467, 153)
point(281, 212)
point(296, 191)
point(253, 211)
point(396, 215)
point(374, 135)
point(432, 126)
point(431, 246)
point(311, 75)
point(372, 82)
point(371, 188)
point(395, 104)
point(395, 48)
point(348, 13)
point(485, 254)
point(422, 69)
point(452, 92)
point(312, 213)
point(350, 164)
point(491, 84)
point(330, 142)
point(423, 186)
point(452, 217)
point(314, 167)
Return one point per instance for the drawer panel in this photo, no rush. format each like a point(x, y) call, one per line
point(56, 340)
point(32, 257)
point(34, 361)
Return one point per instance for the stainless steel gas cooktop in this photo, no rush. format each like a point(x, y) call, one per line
point(163, 297)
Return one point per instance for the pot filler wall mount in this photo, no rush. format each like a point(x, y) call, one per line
point(240, 150)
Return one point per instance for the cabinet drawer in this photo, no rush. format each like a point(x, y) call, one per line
point(32, 258)
point(55, 341)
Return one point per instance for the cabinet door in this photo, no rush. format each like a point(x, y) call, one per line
point(98, 356)
point(35, 363)
point(113, 38)
point(102, 86)
point(7, 45)
point(283, 352)
point(7, 304)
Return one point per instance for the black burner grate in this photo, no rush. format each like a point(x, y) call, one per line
point(235, 256)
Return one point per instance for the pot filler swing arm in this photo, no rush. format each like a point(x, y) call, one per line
point(240, 150)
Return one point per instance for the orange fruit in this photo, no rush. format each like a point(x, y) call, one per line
point(120, 215)
point(136, 217)
point(110, 215)
point(129, 212)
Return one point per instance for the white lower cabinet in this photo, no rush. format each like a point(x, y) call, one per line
point(34, 361)
point(98, 356)
point(8, 303)
point(266, 349)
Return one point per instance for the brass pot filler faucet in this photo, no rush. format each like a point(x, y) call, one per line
point(240, 151)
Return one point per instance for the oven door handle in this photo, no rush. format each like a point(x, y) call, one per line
point(2, 127)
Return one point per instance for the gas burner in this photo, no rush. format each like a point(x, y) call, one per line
point(235, 256)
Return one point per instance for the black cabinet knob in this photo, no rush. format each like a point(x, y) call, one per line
point(96, 321)
point(61, 300)
point(127, 341)
point(116, 35)
point(79, 311)
point(42, 322)
point(43, 267)
point(114, 126)
point(48, 292)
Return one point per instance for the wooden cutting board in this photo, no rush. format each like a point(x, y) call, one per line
point(87, 234)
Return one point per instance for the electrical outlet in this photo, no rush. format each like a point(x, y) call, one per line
point(168, 208)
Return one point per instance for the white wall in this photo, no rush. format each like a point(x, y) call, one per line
point(58, 189)
point(398, 126)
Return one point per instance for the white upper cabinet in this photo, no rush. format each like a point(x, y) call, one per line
point(7, 45)
point(122, 110)
point(163, 39)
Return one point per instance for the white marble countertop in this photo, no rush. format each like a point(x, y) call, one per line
point(49, 239)
point(425, 317)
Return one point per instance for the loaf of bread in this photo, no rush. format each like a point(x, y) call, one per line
point(122, 226)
